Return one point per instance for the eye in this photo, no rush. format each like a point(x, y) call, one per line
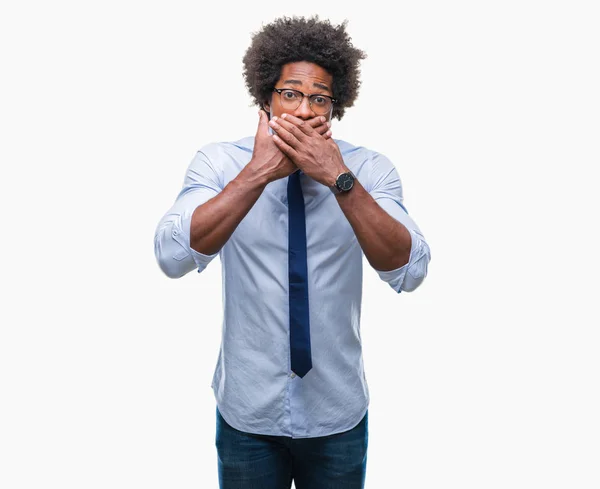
point(320, 100)
point(290, 95)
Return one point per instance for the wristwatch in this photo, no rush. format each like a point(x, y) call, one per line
point(343, 183)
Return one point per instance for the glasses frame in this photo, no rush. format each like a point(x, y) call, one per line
point(333, 100)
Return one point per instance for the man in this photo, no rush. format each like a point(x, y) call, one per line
point(291, 214)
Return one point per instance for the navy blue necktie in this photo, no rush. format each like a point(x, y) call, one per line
point(298, 274)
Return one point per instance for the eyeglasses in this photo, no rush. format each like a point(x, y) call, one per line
point(291, 100)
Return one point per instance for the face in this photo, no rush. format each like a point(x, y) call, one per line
point(306, 77)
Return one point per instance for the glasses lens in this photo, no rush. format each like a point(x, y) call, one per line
point(290, 99)
point(320, 104)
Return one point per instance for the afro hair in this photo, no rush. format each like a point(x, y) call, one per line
point(287, 40)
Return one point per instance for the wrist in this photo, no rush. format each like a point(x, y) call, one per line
point(341, 169)
point(252, 178)
point(342, 181)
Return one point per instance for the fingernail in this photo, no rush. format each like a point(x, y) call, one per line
point(274, 118)
point(283, 116)
point(322, 119)
point(329, 124)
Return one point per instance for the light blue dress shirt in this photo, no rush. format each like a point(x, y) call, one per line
point(254, 387)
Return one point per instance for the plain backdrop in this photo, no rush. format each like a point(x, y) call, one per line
point(487, 376)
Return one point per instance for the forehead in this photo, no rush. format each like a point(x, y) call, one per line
point(306, 72)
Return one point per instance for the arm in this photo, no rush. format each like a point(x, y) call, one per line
point(390, 239)
point(203, 216)
point(214, 222)
point(386, 242)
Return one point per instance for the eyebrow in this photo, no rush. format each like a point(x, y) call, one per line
point(315, 84)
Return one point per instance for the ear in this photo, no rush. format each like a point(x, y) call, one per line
point(267, 104)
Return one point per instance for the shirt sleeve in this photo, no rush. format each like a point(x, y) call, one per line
point(386, 189)
point(172, 248)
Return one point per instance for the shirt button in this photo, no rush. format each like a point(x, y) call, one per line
point(293, 375)
point(174, 232)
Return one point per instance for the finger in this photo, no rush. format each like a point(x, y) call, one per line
point(297, 127)
point(284, 134)
point(263, 122)
point(285, 148)
point(322, 129)
point(317, 121)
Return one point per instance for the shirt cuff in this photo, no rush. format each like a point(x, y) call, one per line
point(395, 278)
point(200, 259)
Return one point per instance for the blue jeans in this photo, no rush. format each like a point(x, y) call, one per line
point(250, 461)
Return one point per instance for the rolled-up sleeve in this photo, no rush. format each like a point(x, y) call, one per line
point(172, 248)
point(386, 189)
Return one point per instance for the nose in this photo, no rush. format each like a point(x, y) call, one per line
point(304, 110)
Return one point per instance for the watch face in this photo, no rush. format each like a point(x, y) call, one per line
point(345, 181)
